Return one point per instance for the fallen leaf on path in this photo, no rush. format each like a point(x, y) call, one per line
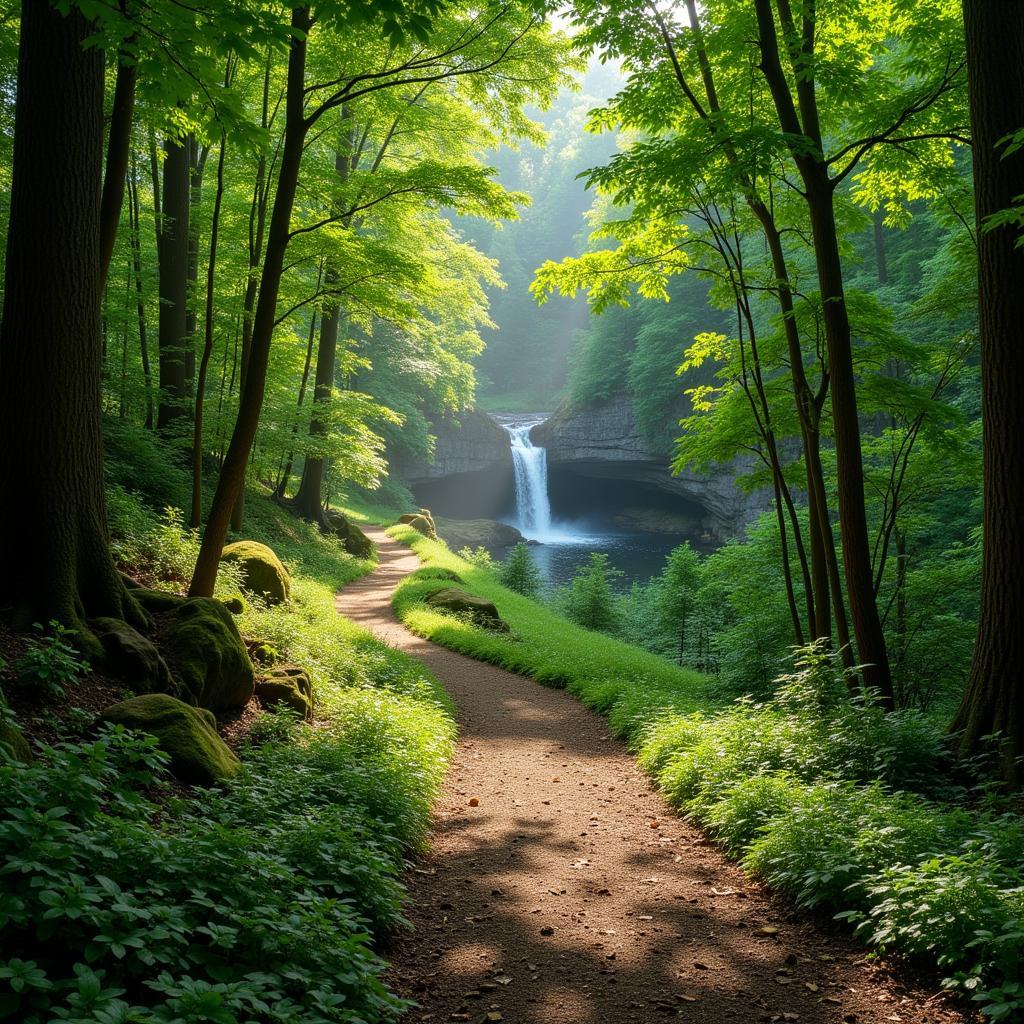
point(768, 929)
point(474, 801)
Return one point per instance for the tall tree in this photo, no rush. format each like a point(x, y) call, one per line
point(55, 561)
point(173, 262)
point(994, 698)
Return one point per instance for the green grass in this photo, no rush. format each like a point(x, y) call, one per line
point(628, 684)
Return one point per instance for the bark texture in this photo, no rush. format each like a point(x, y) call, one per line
point(994, 698)
point(55, 561)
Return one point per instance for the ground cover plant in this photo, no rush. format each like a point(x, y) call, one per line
point(266, 898)
point(842, 805)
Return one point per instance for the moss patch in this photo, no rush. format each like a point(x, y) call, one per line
point(187, 735)
point(262, 571)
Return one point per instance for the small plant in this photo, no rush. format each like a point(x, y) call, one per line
point(519, 572)
point(589, 599)
point(480, 557)
point(51, 663)
point(275, 725)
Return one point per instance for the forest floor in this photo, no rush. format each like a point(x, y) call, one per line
point(560, 888)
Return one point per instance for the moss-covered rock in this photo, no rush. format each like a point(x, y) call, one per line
point(421, 522)
point(13, 744)
point(459, 602)
point(288, 686)
point(262, 571)
point(157, 600)
point(207, 651)
point(235, 605)
point(262, 652)
point(132, 657)
point(353, 539)
point(188, 735)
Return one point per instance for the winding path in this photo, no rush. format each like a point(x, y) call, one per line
point(561, 889)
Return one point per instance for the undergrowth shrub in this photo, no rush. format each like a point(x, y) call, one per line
point(205, 917)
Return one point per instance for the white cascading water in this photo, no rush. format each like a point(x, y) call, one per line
point(533, 507)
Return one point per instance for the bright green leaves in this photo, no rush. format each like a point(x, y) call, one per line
point(645, 257)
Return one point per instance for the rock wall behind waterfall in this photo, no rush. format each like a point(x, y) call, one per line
point(603, 441)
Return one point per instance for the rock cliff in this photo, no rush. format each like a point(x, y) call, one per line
point(603, 441)
point(467, 442)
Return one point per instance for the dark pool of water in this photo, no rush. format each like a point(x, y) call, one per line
point(638, 555)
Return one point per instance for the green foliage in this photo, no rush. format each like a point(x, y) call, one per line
point(51, 663)
point(589, 600)
point(519, 572)
point(480, 557)
point(209, 917)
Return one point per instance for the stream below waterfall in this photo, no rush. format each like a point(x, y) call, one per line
point(559, 544)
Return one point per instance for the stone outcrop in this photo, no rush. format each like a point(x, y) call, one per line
point(287, 686)
point(477, 533)
point(603, 441)
point(478, 610)
point(467, 442)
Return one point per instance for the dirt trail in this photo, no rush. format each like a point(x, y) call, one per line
point(572, 894)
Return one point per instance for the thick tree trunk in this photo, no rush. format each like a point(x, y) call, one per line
point(994, 698)
point(118, 147)
point(172, 250)
point(55, 560)
point(232, 475)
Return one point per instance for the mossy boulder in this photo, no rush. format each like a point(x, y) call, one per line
point(236, 605)
point(132, 657)
point(354, 541)
point(421, 522)
point(157, 600)
point(287, 686)
point(187, 735)
point(207, 651)
point(262, 571)
point(13, 744)
point(482, 612)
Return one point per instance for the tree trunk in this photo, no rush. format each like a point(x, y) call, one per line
point(805, 142)
point(55, 562)
point(232, 475)
point(308, 500)
point(204, 362)
point(140, 299)
point(172, 249)
point(994, 698)
point(286, 471)
point(118, 147)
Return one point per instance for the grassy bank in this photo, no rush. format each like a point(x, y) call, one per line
point(266, 898)
point(622, 681)
point(842, 806)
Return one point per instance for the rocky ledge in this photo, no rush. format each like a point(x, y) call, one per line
point(467, 442)
point(603, 441)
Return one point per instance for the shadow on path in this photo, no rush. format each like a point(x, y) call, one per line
point(570, 893)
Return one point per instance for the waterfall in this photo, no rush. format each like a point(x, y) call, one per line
point(533, 507)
